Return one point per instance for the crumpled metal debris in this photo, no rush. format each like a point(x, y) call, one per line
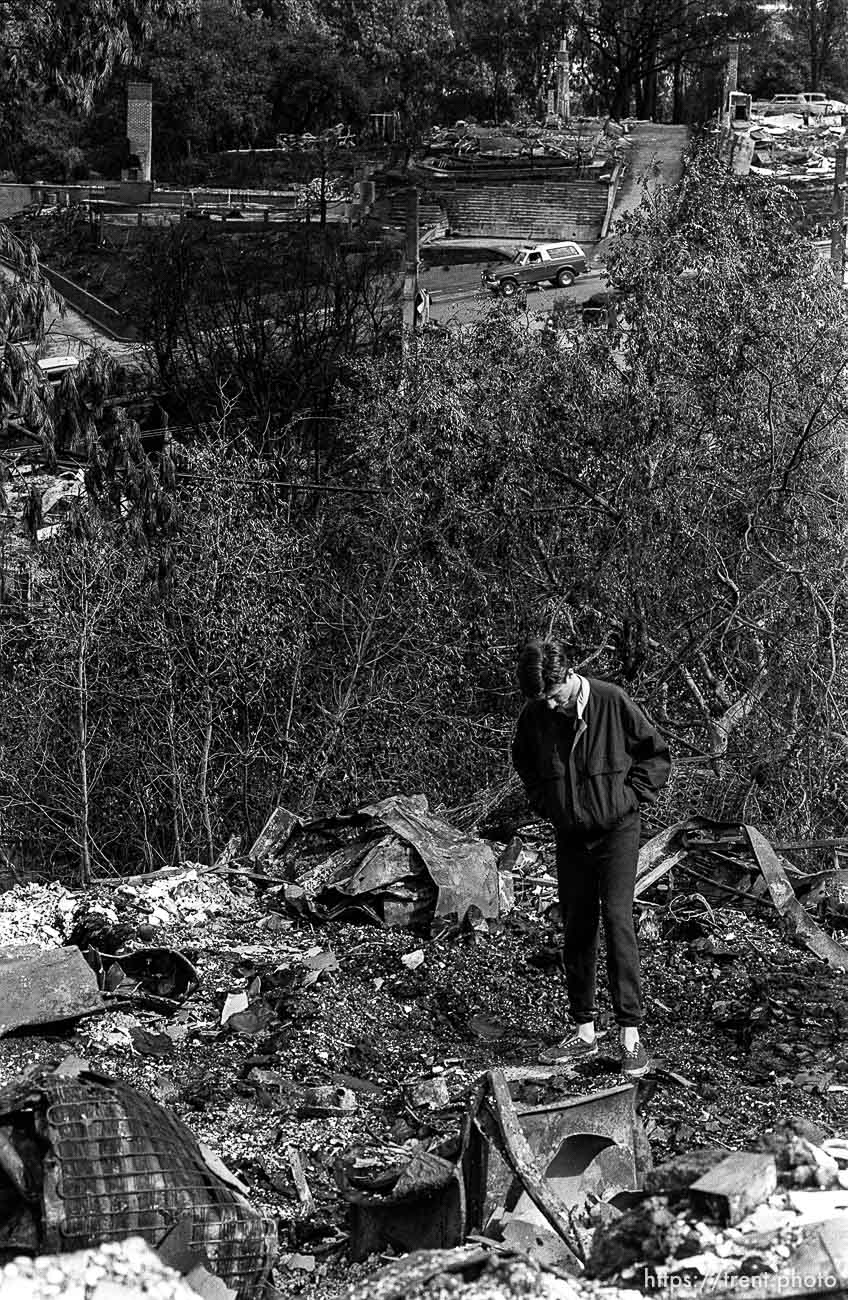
point(405, 866)
point(535, 1164)
point(517, 1174)
point(157, 979)
point(416, 1202)
point(86, 1160)
point(464, 870)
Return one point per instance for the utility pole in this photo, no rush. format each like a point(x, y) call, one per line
point(732, 70)
point(837, 236)
point(410, 278)
point(730, 82)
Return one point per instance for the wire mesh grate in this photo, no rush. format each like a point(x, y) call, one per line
point(121, 1165)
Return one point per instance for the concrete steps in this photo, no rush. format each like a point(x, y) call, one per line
point(556, 210)
point(515, 209)
point(392, 209)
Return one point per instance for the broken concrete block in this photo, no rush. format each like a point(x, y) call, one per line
point(51, 985)
point(735, 1186)
point(428, 1094)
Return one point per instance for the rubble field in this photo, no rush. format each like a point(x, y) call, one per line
point(314, 1050)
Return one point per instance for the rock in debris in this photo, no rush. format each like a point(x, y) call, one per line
point(117, 1270)
point(648, 1233)
point(429, 1094)
point(474, 1272)
point(680, 1173)
point(777, 1139)
point(801, 1159)
point(810, 1165)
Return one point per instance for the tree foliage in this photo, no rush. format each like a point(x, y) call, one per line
point(213, 75)
point(817, 29)
point(68, 49)
point(265, 324)
point(235, 75)
point(632, 50)
point(670, 498)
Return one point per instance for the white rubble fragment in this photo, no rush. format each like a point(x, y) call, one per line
point(767, 1219)
point(110, 1030)
point(189, 898)
point(816, 1207)
point(556, 1288)
point(802, 1152)
point(35, 914)
point(124, 1270)
point(707, 1264)
point(837, 1149)
point(235, 1003)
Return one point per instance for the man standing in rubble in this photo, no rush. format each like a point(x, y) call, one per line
point(589, 758)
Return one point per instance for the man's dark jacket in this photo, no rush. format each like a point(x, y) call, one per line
point(618, 760)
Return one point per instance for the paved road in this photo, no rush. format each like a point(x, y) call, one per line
point(69, 332)
point(470, 304)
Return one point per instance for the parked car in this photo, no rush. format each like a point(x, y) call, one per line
point(601, 308)
point(560, 263)
point(441, 253)
point(812, 103)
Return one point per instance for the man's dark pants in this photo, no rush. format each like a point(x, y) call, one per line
point(596, 878)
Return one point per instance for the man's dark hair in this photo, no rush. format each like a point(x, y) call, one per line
point(542, 665)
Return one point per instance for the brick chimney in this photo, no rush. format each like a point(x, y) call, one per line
point(140, 125)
